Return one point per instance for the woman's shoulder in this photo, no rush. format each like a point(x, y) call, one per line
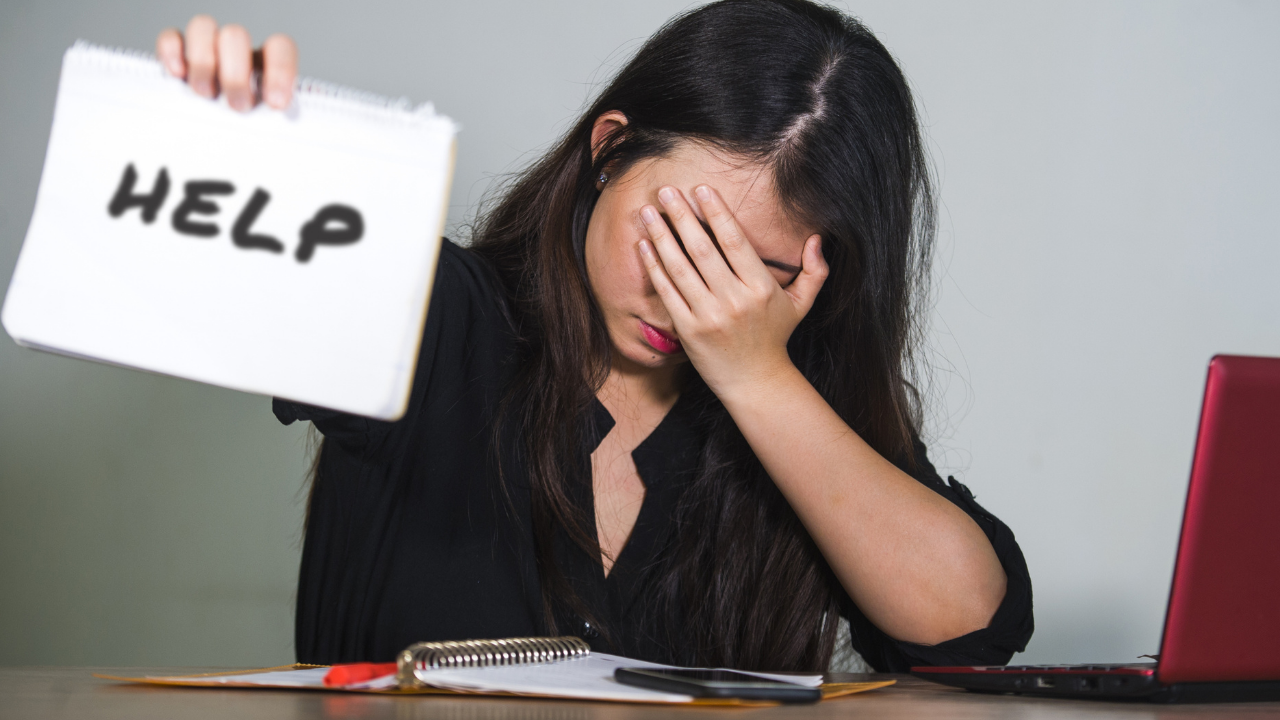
point(469, 311)
point(463, 264)
point(463, 274)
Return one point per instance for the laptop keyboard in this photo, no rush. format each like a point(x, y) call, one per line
point(1118, 668)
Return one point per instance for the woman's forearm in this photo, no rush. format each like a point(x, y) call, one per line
point(916, 565)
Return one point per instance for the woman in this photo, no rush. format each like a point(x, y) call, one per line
point(663, 400)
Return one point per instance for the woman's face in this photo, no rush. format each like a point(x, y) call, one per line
point(639, 326)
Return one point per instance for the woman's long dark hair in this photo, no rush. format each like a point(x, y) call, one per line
point(811, 94)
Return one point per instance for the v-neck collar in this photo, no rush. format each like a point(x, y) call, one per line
point(666, 462)
point(653, 453)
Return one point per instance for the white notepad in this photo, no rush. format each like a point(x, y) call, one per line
point(291, 255)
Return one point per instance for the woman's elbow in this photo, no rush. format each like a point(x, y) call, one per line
point(967, 611)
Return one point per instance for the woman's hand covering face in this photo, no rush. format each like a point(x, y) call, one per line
point(731, 314)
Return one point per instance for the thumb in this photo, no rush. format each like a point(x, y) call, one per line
point(813, 273)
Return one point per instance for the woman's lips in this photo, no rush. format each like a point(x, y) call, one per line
point(663, 342)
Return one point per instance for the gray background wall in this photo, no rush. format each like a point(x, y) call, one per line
point(1108, 188)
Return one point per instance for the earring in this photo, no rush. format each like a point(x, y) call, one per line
point(603, 178)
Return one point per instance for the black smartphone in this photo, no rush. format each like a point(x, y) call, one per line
point(717, 684)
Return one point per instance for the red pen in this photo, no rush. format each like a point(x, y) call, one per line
point(352, 673)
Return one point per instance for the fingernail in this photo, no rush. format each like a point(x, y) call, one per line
point(203, 87)
point(275, 98)
point(703, 192)
point(175, 68)
point(644, 247)
point(666, 195)
point(648, 214)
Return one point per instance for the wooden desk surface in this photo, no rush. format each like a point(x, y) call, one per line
point(72, 692)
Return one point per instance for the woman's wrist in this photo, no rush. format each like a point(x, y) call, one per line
point(760, 386)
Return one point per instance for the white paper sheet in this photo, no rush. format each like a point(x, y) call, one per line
point(340, 329)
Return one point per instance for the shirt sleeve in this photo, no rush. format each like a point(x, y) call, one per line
point(462, 284)
point(1010, 627)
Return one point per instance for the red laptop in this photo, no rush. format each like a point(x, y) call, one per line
point(1222, 629)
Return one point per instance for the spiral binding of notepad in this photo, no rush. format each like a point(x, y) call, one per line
point(427, 656)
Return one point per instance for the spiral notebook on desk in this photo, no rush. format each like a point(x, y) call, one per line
point(286, 253)
point(562, 667)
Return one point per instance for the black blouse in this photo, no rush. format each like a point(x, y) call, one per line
point(411, 537)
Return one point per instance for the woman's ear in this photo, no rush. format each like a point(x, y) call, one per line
point(605, 127)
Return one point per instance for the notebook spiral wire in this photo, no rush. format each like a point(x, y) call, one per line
point(428, 656)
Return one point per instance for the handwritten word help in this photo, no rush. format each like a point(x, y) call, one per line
point(331, 225)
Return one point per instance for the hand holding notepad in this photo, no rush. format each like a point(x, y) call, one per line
point(284, 253)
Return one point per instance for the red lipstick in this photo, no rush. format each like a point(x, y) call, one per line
point(663, 342)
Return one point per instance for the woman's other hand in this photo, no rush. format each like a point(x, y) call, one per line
point(213, 60)
point(732, 316)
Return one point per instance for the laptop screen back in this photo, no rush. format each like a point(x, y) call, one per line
point(1223, 621)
